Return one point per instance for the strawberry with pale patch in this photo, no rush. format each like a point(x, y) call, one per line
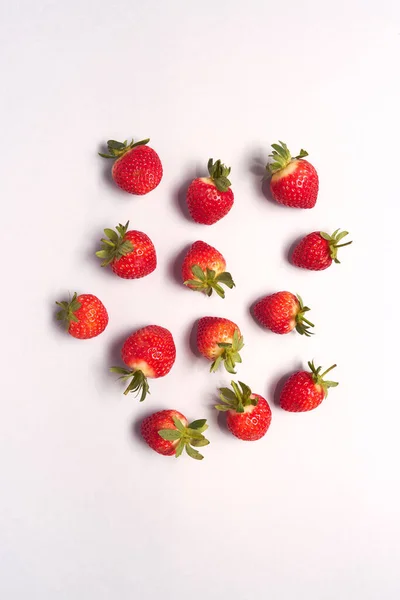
point(84, 316)
point(131, 254)
point(248, 415)
point(149, 353)
point(209, 199)
point(220, 341)
point(282, 312)
point(169, 433)
point(294, 181)
point(203, 270)
point(305, 390)
point(137, 168)
point(317, 250)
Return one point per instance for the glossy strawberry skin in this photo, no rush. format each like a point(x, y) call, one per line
point(150, 350)
point(205, 256)
point(278, 312)
point(206, 203)
point(141, 261)
point(92, 318)
point(300, 393)
point(138, 171)
point(253, 423)
point(212, 331)
point(154, 423)
point(312, 252)
point(296, 185)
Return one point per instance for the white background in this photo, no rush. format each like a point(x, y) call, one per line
point(87, 511)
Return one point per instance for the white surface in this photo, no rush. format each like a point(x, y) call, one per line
point(86, 510)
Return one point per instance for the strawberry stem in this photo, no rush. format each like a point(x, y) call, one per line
point(308, 322)
point(114, 246)
point(118, 149)
point(189, 437)
point(138, 383)
point(343, 245)
point(237, 399)
point(207, 281)
point(327, 371)
point(219, 173)
point(67, 312)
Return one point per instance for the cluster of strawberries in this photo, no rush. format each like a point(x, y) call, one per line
point(150, 352)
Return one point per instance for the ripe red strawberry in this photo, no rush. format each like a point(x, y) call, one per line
point(131, 254)
point(294, 181)
point(210, 198)
point(220, 340)
point(305, 390)
point(149, 352)
point(84, 316)
point(168, 433)
point(282, 312)
point(137, 168)
point(203, 270)
point(317, 250)
point(248, 414)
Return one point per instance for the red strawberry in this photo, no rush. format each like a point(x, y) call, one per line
point(305, 390)
point(248, 414)
point(149, 352)
point(220, 340)
point(210, 198)
point(137, 168)
point(203, 270)
point(282, 312)
point(317, 250)
point(294, 181)
point(169, 433)
point(131, 254)
point(84, 316)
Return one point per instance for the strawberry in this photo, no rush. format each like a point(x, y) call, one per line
point(210, 198)
point(248, 414)
point(305, 390)
point(131, 254)
point(85, 316)
point(220, 340)
point(282, 312)
point(168, 433)
point(149, 352)
point(137, 168)
point(294, 181)
point(317, 250)
point(203, 270)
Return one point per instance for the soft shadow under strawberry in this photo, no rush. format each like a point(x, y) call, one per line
point(288, 250)
point(106, 175)
point(175, 266)
point(135, 428)
point(191, 337)
point(179, 195)
point(275, 387)
point(257, 168)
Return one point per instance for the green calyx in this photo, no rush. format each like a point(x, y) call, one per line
point(138, 384)
point(219, 173)
point(230, 354)
point(207, 281)
point(114, 245)
point(318, 377)
point(281, 157)
point(237, 399)
point(118, 149)
point(189, 438)
point(67, 312)
point(302, 324)
point(333, 241)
